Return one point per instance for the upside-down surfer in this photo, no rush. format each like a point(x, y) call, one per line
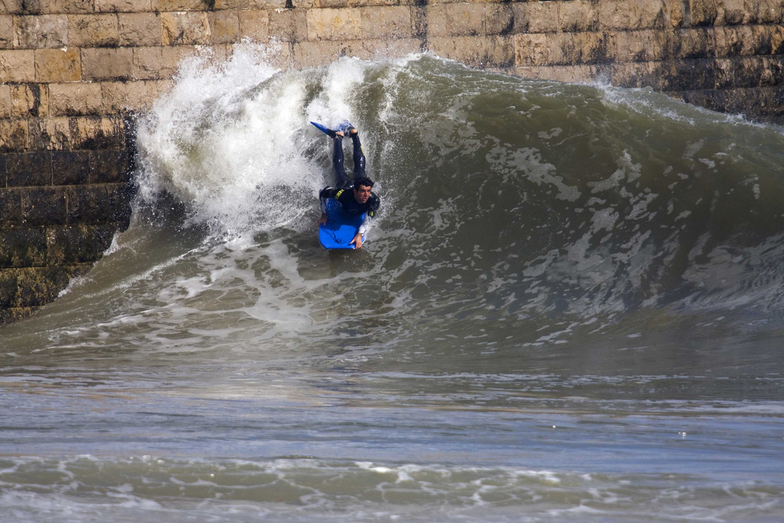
point(356, 199)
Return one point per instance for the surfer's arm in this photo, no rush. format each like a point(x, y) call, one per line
point(364, 227)
point(374, 204)
point(325, 194)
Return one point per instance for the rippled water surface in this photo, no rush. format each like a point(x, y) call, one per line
point(570, 308)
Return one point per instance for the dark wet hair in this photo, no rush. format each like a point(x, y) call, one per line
point(367, 182)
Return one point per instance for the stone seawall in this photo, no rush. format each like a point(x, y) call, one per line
point(59, 207)
point(71, 69)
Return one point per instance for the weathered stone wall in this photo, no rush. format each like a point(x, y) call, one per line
point(722, 54)
point(64, 191)
point(70, 68)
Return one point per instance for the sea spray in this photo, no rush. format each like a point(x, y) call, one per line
point(224, 141)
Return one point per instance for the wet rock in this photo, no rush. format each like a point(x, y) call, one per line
point(29, 100)
point(44, 206)
point(38, 286)
point(13, 135)
point(26, 169)
point(10, 204)
point(110, 166)
point(77, 243)
point(70, 167)
point(22, 247)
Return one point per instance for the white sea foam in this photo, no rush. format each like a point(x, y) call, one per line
point(230, 490)
point(230, 139)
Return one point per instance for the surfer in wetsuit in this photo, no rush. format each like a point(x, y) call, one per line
point(355, 199)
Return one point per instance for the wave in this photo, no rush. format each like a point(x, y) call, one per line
point(144, 488)
point(528, 196)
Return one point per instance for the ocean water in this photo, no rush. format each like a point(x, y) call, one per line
point(569, 309)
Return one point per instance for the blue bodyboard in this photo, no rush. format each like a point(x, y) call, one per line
point(341, 227)
point(342, 127)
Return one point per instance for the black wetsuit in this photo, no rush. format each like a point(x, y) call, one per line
point(345, 192)
point(350, 204)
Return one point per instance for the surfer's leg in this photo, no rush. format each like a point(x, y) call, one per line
point(337, 162)
point(359, 157)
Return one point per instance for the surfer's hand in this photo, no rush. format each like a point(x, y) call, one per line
point(323, 220)
point(357, 241)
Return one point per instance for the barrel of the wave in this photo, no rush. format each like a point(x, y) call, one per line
point(340, 228)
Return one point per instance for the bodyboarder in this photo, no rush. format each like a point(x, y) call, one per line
point(356, 199)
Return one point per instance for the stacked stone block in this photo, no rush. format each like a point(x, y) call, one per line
point(722, 54)
point(683, 47)
point(70, 69)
